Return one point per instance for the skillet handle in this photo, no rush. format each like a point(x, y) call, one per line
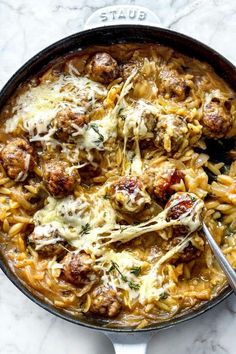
point(122, 14)
point(130, 343)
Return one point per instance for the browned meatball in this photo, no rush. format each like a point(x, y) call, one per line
point(147, 125)
point(68, 123)
point(128, 195)
point(171, 131)
point(17, 159)
point(103, 68)
point(216, 120)
point(47, 241)
point(105, 302)
point(188, 254)
point(78, 269)
point(163, 185)
point(173, 84)
point(182, 203)
point(59, 178)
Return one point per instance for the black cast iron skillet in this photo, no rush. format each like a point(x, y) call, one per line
point(106, 36)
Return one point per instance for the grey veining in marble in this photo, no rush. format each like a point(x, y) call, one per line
point(27, 26)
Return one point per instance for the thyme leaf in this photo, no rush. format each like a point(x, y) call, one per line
point(115, 266)
point(85, 229)
point(133, 285)
point(163, 296)
point(100, 136)
point(193, 199)
point(135, 270)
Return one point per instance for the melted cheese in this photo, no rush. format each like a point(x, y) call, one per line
point(23, 174)
point(77, 220)
point(36, 108)
point(136, 129)
point(74, 214)
point(121, 233)
point(152, 286)
point(97, 133)
point(89, 223)
point(125, 261)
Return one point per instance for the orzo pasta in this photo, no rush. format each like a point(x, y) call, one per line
point(110, 158)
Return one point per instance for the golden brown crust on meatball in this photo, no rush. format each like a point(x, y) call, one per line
point(47, 245)
point(128, 195)
point(216, 120)
point(78, 269)
point(188, 254)
point(17, 159)
point(105, 302)
point(173, 84)
point(67, 124)
point(103, 68)
point(181, 202)
point(59, 179)
point(171, 131)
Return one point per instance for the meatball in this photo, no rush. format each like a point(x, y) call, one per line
point(171, 131)
point(17, 159)
point(59, 178)
point(78, 269)
point(68, 124)
point(188, 254)
point(163, 184)
point(184, 212)
point(47, 241)
point(173, 84)
point(144, 126)
point(129, 195)
point(105, 302)
point(216, 120)
point(181, 204)
point(103, 68)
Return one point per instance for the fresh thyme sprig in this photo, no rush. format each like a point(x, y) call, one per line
point(132, 285)
point(85, 229)
point(100, 136)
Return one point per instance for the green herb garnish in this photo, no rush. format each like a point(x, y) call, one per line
point(100, 136)
point(115, 266)
point(163, 296)
point(229, 231)
point(193, 199)
point(122, 228)
point(85, 229)
point(133, 285)
point(135, 270)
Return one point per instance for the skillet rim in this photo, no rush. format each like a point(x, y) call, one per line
point(46, 56)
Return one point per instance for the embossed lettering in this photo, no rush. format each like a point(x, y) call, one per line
point(113, 14)
point(104, 16)
point(142, 15)
point(132, 13)
point(121, 14)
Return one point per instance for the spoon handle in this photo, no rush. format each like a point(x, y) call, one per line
point(222, 260)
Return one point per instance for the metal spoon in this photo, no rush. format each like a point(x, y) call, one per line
point(222, 260)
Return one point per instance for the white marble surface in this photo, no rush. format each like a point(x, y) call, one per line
point(27, 26)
